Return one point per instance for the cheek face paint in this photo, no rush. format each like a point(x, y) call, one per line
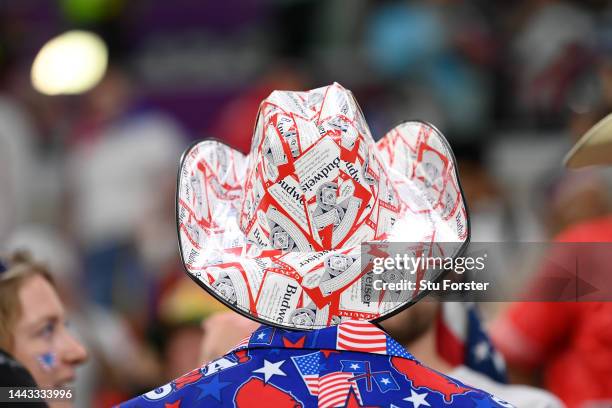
point(47, 360)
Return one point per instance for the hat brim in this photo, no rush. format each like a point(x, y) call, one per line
point(423, 169)
point(594, 147)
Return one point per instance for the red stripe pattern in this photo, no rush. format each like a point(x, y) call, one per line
point(361, 336)
point(334, 389)
point(312, 382)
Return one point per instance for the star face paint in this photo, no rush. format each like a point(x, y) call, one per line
point(48, 361)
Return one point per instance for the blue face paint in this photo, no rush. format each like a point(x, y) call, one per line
point(47, 361)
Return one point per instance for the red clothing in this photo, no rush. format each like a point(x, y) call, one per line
point(570, 342)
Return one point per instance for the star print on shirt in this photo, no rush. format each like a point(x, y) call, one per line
point(213, 388)
point(270, 369)
point(417, 399)
point(352, 366)
point(263, 335)
point(273, 372)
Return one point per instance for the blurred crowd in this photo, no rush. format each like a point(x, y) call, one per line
point(87, 182)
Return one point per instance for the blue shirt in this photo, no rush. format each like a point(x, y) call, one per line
point(354, 364)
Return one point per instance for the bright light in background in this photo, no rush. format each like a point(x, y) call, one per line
point(71, 63)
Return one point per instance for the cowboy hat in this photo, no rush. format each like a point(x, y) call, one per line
point(594, 147)
point(277, 234)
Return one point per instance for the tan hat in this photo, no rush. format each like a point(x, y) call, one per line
point(594, 147)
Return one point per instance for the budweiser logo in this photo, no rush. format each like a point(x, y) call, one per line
point(320, 175)
point(285, 305)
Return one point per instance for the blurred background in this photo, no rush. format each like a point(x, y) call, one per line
point(88, 162)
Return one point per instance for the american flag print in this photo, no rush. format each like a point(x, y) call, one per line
point(317, 375)
point(361, 336)
point(334, 389)
point(308, 367)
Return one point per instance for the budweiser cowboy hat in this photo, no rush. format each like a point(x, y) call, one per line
point(594, 147)
point(278, 235)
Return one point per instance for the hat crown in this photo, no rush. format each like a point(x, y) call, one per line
point(313, 173)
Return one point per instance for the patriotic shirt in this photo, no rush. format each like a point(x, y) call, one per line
point(354, 364)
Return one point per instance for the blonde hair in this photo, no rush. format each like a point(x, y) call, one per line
point(19, 268)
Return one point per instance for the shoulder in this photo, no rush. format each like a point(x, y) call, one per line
point(517, 395)
point(12, 373)
point(211, 384)
point(442, 390)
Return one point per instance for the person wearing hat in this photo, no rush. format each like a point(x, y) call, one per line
point(567, 346)
point(279, 235)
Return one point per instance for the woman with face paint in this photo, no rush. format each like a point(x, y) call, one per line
point(33, 324)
